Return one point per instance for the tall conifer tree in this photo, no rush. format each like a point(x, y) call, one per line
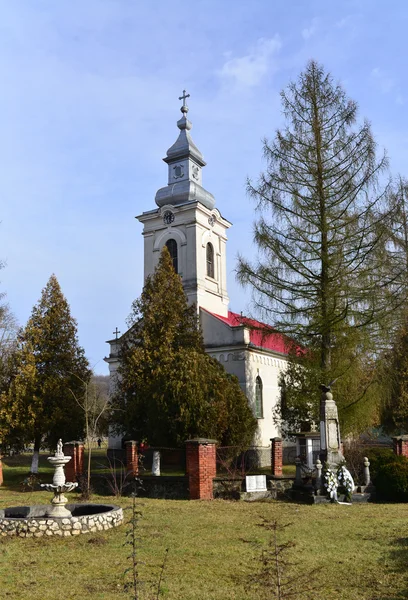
point(394, 369)
point(168, 388)
point(48, 367)
point(320, 234)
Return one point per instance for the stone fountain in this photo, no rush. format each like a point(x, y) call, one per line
point(59, 486)
point(58, 518)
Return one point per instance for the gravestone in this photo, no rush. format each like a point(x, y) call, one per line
point(329, 430)
point(156, 463)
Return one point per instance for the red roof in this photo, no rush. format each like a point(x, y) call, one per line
point(261, 335)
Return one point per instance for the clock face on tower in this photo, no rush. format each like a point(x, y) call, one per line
point(168, 217)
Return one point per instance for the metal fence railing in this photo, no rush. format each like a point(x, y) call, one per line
point(233, 461)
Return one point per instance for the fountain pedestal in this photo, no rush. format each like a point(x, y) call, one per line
point(59, 486)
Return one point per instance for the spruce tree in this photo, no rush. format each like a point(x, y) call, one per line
point(49, 368)
point(320, 233)
point(168, 389)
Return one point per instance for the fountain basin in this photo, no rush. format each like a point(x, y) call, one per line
point(32, 521)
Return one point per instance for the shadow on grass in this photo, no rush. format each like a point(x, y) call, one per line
point(399, 557)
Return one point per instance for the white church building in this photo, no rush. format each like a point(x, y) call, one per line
point(186, 220)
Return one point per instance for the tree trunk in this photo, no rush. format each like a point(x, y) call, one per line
point(325, 342)
point(88, 475)
point(36, 455)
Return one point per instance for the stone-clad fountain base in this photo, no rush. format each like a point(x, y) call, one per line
point(32, 521)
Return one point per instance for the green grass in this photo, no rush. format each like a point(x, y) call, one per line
point(213, 547)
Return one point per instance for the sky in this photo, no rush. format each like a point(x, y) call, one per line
point(89, 105)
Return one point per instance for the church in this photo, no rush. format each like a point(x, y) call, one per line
point(187, 221)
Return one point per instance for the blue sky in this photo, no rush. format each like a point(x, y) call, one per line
point(89, 104)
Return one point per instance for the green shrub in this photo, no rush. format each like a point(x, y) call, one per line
point(391, 479)
point(379, 457)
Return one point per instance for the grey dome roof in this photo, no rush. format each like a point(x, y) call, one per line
point(182, 192)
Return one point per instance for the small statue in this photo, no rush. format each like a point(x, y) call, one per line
point(59, 451)
point(327, 388)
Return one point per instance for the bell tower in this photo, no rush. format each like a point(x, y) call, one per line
point(187, 221)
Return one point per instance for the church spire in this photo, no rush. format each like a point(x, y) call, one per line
point(185, 163)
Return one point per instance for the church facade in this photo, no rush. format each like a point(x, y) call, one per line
point(186, 220)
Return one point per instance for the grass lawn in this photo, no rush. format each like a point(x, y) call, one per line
point(214, 547)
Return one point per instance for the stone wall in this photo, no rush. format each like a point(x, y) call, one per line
point(29, 525)
point(234, 488)
point(164, 487)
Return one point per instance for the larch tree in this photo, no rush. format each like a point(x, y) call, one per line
point(397, 248)
point(168, 389)
point(320, 234)
point(394, 413)
point(394, 369)
point(48, 367)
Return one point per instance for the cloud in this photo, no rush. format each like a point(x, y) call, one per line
point(249, 70)
point(308, 32)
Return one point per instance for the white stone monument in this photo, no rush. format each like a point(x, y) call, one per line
point(330, 442)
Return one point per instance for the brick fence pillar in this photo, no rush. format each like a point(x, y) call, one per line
point(70, 470)
point(1, 472)
point(400, 445)
point(201, 467)
point(80, 451)
point(276, 456)
point(132, 459)
point(75, 467)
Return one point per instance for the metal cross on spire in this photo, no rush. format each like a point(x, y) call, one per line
point(116, 332)
point(184, 108)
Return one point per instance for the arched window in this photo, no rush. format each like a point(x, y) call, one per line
point(210, 260)
point(172, 248)
point(258, 398)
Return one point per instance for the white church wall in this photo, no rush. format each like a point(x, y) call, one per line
point(268, 367)
point(246, 365)
point(217, 333)
point(233, 362)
